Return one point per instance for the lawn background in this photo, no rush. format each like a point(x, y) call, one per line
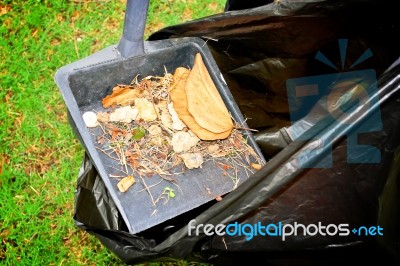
point(39, 155)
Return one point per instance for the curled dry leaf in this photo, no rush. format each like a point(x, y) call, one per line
point(126, 183)
point(192, 160)
point(124, 114)
point(204, 101)
point(90, 119)
point(179, 99)
point(121, 95)
point(183, 141)
point(147, 110)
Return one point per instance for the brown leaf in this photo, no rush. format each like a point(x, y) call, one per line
point(126, 183)
point(256, 166)
point(204, 101)
point(179, 99)
point(115, 131)
point(103, 117)
point(121, 95)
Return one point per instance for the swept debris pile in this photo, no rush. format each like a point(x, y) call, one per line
point(154, 125)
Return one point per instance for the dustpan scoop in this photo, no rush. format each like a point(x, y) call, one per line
point(85, 83)
point(131, 43)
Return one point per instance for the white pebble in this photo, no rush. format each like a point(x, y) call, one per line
point(90, 119)
point(183, 141)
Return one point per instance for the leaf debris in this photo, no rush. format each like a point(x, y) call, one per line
point(150, 135)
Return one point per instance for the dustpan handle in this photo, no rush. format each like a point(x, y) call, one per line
point(131, 43)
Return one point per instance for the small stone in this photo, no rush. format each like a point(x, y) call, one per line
point(90, 119)
point(192, 160)
point(124, 114)
point(183, 141)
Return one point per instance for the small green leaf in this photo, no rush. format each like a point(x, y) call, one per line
point(138, 133)
point(167, 189)
point(171, 194)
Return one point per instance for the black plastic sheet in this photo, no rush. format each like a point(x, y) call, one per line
point(257, 51)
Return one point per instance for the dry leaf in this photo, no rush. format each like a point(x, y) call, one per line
point(115, 131)
point(179, 99)
point(147, 110)
point(256, 166)
point(103, 117)
point(158, 140)
point(204, 101)
point(124, 114)
point(126, 183)
point(121, 95)
point(192, 160)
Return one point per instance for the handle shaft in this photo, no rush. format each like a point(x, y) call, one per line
point(131, 43)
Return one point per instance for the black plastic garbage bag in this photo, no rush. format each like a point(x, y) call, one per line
point(258, 50)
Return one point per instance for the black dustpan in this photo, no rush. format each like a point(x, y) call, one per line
point(85, 83)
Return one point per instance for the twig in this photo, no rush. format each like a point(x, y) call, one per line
point(245, 128)
point(103, 151)
point(223, 240)
point(148, 190)
point(151, 186)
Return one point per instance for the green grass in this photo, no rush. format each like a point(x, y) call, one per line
point(39, 155)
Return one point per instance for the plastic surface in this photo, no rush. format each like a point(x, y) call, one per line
point(257, 51)
point(132, 43)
